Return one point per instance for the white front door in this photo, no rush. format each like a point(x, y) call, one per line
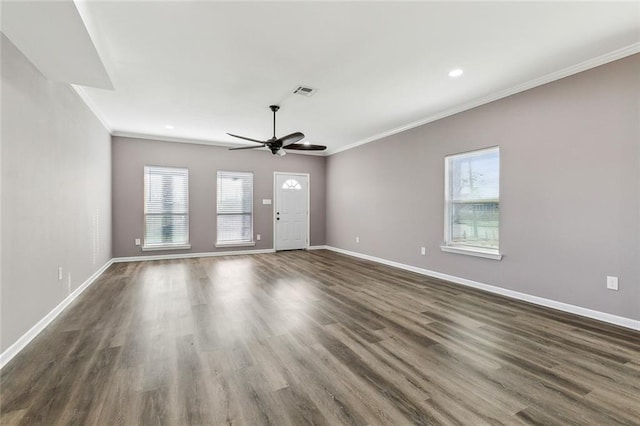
point(291, 211)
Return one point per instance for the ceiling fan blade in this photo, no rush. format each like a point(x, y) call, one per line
point(290, 139)
point(247, 147)
point(246, 139)
point(303, 147)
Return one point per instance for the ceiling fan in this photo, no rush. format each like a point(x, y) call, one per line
point(276, 145)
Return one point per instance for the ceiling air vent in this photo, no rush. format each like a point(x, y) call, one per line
point(304, 91)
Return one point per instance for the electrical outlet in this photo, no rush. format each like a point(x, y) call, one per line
point(357, 240)
point(137, 242)
point(258, 237)
point(612, 283)
point(423, 251)
point(60, 273)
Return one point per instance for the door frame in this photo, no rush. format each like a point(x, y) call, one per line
point(275, 205)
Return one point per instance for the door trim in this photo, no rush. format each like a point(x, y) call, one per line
point(275, 204)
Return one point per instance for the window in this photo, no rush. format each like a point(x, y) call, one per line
point(472, 200)
point(235, 208)
point(291, 184)
point(166, 208)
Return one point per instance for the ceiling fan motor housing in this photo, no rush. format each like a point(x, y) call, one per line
point(274, 148)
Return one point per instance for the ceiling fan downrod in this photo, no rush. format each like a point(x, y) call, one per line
point(275, 109)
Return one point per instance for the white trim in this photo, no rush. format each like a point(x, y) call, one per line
point(236, 244)
point(166, 247)
point(557, 75)
point(148, 170)
point(34, 331)
point(92, 107)
point(223, 244)
point(27, 337)
point(448, 245)
point(561, 306)
point(189, 255)
point(548, 78)
point(275, 204)
point(176, 139)
point(24, 340)
point(472, 251)
point(195, 141)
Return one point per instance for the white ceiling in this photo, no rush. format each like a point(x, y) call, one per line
point(208, 68)
point(39, 29)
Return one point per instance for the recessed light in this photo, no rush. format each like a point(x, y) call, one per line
point(169, 126)
point(456, 72)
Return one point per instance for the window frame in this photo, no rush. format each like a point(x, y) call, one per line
point(461, 248)
point(238, 243)
point(164, 246)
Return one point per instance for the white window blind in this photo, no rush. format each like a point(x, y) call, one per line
point(472, 199)
point(235, 207)
point(166, 207)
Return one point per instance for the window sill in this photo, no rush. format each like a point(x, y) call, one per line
point(236, 244)
point(167, 247)
point(473, 251)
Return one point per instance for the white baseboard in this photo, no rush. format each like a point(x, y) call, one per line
point(561, 306)
point(189, 255)
point(24, 340)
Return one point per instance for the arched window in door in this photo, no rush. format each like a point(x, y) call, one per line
point(291, 184)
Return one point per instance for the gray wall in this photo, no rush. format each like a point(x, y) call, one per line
point(131, 155)
point(570, 191)
point(56, 185)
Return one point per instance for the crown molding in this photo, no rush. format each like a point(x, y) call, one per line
point(548, 78)
point(92, 107)
point(164, 138)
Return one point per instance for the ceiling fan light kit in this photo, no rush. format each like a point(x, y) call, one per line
point(277, 145)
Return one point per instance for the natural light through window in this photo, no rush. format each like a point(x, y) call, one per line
point(291, 184)
point(472, 200)
point(166, 207)
point(235, 208)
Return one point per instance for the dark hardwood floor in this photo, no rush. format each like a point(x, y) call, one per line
point(298, 338)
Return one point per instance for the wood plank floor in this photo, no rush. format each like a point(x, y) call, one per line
point(299, 337)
